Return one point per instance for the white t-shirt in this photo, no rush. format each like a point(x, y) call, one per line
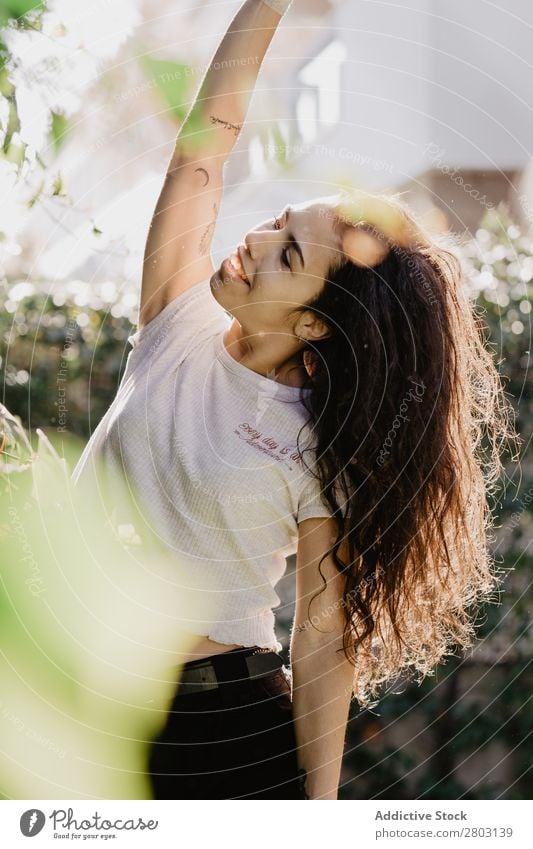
point(208, 446)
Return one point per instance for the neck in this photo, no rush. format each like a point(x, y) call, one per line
point(274, 355)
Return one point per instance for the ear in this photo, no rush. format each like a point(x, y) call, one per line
point(310, 328)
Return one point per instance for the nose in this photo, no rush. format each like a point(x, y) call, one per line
point(260, 240)
point(248, 244)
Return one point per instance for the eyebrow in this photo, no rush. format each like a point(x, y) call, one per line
point(292, 240)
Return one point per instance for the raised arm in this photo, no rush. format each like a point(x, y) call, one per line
point(178, 248)
point(321, 678)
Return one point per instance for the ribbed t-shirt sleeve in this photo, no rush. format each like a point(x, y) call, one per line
point(191, 315)
point(310, 503)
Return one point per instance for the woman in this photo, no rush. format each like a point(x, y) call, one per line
point(338, 416)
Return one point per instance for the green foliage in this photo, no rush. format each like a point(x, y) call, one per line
point(275, 147)
point(499, 262)
point(16, 9)
point(171, 80)
point(21, 14)
point(44, 349)
point(59, 129)
point(37, 61)
point(91, 626)
point(500, 265)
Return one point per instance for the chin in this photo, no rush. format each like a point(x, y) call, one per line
point(224, 296)
point(216, 285)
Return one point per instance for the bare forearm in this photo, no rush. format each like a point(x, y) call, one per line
point(321, 695)
point(218, 112)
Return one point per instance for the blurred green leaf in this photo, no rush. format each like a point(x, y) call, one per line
point(280, 145)
point(57, 186)
point(91, 630)
point(16, 9)
point(13, 123)
point(171, 82)
point(59, 130)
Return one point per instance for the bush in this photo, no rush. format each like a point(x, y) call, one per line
point(48, 358)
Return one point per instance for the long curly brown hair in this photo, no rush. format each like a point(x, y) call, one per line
point(410, 422)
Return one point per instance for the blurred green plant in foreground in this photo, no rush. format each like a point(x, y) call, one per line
point(90, 631)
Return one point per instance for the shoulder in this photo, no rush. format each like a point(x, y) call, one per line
point(185, 317)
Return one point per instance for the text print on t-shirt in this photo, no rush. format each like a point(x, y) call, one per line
point(268, 445)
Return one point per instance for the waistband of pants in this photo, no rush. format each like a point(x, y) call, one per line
point(228, 667)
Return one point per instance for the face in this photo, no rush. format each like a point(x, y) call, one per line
point(285, 260)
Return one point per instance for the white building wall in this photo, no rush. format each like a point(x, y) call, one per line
point(482, 67)
point(386, 108)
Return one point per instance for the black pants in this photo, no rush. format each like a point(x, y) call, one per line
point(232, 742)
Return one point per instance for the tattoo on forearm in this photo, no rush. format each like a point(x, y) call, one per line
point(204, 172)
point(226, 124)
point(205, 241)
point(302, 626)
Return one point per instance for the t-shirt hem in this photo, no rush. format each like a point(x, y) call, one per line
point(254, 634)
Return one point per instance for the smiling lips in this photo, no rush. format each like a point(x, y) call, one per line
point(235, 266)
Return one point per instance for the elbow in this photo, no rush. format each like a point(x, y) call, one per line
point(309, 641)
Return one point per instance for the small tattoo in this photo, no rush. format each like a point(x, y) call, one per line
point(204, 172)
point(302, 626)
point(207, 235)
point(227, 125)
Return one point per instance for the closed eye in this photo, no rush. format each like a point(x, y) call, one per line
point(285, 252)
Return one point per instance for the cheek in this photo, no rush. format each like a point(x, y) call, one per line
point(271, 305)
point(309, 287)
point(272, 286)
